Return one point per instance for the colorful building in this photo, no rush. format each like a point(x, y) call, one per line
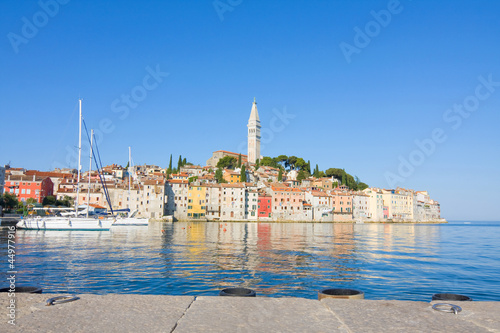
point(231, 176)
point(264, 208)
point(25, 187)
point(197, 202)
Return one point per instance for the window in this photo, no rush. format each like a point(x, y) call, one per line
point(23, 191)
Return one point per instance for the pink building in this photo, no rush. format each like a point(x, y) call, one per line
point(287, 199)
point(341, 202)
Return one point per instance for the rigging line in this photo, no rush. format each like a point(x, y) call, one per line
point(98, 167)
point(106, 191)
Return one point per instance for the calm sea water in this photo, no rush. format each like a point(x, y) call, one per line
point(386, 261)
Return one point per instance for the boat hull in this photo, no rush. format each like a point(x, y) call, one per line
point(131, 221)
point(64, 223)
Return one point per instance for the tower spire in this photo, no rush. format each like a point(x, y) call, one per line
point(253, 134)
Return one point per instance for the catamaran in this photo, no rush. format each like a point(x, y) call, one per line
point(74, 220)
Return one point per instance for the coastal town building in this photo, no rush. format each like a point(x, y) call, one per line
point(264, 206)
point(341, 205)
point(217, 155)
point(177, 198)
point(286, 201)
point(55, 177)
point(213, 207)
point(26, 187)
point(231, 176)
point(233, 201)
point(251, 204)
point(375, 204)
point(360, 202)
point(193, 170)
point(197, 201)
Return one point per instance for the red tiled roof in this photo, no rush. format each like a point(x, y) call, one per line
point(230, 152)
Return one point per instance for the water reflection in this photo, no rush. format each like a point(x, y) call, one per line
point(387, 261)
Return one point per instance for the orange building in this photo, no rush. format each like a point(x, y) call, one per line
point(25, 187)
point(231, 176)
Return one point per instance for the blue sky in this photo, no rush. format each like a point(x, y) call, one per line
point(362, 112)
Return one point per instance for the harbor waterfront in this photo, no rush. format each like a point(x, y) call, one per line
point(386, 261)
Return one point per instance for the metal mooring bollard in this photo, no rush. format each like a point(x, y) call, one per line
point(341, 293)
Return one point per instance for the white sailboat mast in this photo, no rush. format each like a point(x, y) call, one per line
point(79, 156)
point(129, 168)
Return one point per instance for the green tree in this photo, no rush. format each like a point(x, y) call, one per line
point(9, 201)
point(362, 186)
point(292, 160)
point(179, 164)
point(169, 170)
point(308, 167)
point(280, 175)
point(344, 177)
point(227, 162)
point(282, 159)
point(334, 172)
point(219, 176)
point(301, 175)
point(31, 201)
point(257, 164)
point(192, 179)
point(49, 201)
point(239, 160)
point(66, 201)
point(301, 164)
point(243, 174)
point(268, 161)
point(316, 172)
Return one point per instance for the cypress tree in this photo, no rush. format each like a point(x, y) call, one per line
point(169, 170)
point(280, 175)
point(179, 164)
point(316, 171)
point(239, 160)
point(243, 174)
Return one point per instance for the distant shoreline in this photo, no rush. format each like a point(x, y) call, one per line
point(442, 221)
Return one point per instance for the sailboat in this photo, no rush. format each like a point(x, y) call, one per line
point(77, 220)
point(131, 219)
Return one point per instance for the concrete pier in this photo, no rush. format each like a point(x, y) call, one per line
point(157, 313)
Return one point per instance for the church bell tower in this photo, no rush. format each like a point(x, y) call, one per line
point(253, 134)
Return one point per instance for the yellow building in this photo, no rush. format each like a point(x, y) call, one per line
point(231, 177)
point(197, 201)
